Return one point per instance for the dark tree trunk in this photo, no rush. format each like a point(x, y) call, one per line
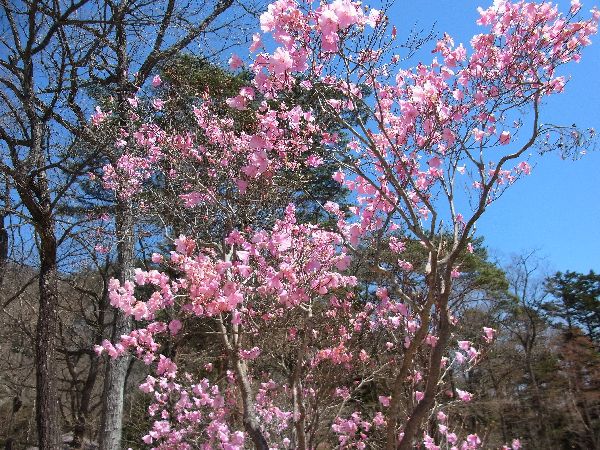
point(3, 246)
point(47, 412)
point(85, 404)
point(35, 194)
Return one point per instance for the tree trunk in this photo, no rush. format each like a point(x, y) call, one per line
point(83, 411)
point(250, 419)
point(3, 246)
point(34, 194)
point(116, 373)
point(435, 363)
point(92, 376)
point(46, 411)
point(297, 388)
point(538, 406)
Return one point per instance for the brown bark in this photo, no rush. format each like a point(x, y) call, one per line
point(47, 416)
point(46, 406)
point(391, 431)
point(414, 422)
point(35, 194)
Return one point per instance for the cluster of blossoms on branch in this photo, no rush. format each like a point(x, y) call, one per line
point(415, 137)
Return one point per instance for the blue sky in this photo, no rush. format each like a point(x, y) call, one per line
point(557, 209)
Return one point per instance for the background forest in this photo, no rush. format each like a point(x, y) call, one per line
point(64, 236)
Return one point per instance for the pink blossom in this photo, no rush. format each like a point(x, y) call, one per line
point(314, 161)
point(235, 62)
point(385, 401)
point(175, 326)
point(431, 340)
point(478, 134)
point(148, 385)
point(523, 167)
point(280, 62)
point(488, 334)
point(102, 249)
point(338, 176)
point(253, 353)
point(472, 353)
point(464, 345)
point(473, 440)
point(99, 116)
point(158, 104)
point(256, 42)
point(464, 395)
point(379, 420)
point(405, 265)
point(237, 102)
point(133, 102)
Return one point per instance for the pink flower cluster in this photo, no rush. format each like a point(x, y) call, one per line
point(428, 127)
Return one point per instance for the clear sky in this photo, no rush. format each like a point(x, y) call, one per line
point(557, 209)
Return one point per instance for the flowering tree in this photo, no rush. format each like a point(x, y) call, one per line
point(306, 356)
